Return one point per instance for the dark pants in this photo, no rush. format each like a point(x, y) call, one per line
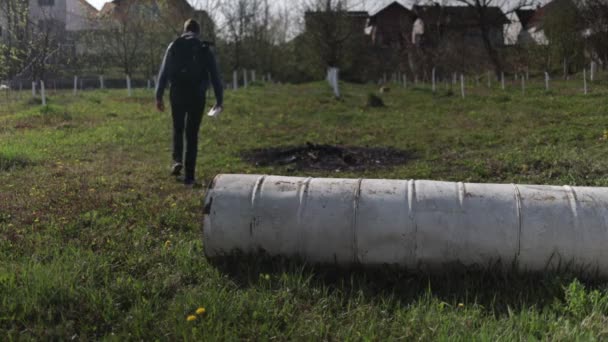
point(187, 109)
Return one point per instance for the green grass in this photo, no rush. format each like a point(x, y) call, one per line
point(97, 242)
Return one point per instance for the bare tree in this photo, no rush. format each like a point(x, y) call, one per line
point(483, 10)
point(329, 30)
point(563, 28)
point(121, 35)
point(14, 18)
point(334, 37)
point(239, 16)
point(282, 27)
point(594, 14)
point(211, 9)
point(137, 32)
point(32, 40)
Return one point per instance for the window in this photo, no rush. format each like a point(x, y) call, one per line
point(46, 2)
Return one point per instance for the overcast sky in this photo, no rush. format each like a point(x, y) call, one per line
point(371, 4)
point(99, 3)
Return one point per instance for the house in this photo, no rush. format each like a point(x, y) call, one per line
point(516, 32)
point(146, 9)
point(171, 13)
point(458, 24)
point(354, 20)
point(397, 25)
point(336, 36)
point(532, 31)
point(80, 16)
point(527, 34)
point(411, 38)
point(391, 26)
point(58, 16)
point(533, 21)
point(47, 15)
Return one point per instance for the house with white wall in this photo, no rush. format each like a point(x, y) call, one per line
point(60, 15)
point(48, 12)
point(523, 30)
point(80, 16)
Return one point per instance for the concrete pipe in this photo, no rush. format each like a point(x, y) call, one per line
point(415, 224)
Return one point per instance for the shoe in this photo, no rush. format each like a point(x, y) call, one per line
point(192, 184)
point(176, 169)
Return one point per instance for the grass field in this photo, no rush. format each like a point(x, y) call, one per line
point(97, 242)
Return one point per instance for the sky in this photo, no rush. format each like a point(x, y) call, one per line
point(99, 3)
point(371, 4)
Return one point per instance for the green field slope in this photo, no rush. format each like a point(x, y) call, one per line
point(98, 242)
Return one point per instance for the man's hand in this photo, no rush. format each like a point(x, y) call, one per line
point(160, 105)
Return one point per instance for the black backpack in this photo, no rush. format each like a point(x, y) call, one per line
point(187, 67)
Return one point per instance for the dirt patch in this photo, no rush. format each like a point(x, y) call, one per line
point(328, 157)
point(374, 101)
point(23, 125)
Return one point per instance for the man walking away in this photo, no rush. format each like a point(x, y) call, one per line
point(188, 66)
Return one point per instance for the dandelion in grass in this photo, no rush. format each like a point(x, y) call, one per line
point(200, 311)
point(167, 243)
point(191, 318)
point(460, 305)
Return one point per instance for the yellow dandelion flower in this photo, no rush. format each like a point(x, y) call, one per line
point(173, 205)
point(167, 244)
point(460, 305)
point(200, 311)
point(191, 318)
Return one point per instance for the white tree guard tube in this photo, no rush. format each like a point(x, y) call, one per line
point(423, 225)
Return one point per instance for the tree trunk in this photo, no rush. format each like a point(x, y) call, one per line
point(487, 41)
point(491, 50)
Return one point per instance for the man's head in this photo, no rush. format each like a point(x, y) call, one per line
point(192, 26)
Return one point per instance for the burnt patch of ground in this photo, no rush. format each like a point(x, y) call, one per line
point(328, 157)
